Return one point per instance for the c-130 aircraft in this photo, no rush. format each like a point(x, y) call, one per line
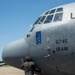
point(50, 43)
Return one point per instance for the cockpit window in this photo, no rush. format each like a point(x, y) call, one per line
point(51, 15)
point(37, 20)
point(41, 20)
point(58, 17)
point(46, 12)
point(32, 29)
point(52, 11)
point(59, 9)
point(48, 19)
point(59, 14)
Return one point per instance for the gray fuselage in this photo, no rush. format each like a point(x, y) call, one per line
point(50, 45)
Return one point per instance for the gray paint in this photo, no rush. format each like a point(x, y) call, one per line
point(46, 55)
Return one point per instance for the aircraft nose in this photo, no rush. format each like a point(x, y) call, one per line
point(15, 50)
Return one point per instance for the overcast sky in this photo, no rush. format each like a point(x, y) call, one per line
point(16, 17)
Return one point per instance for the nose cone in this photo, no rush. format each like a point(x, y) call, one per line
point(14, 51)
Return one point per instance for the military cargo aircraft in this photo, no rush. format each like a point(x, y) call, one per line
point(50, 43)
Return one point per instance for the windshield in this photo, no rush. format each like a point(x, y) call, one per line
point(54, 15)
point(40, 20)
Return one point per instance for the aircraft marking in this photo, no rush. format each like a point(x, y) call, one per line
point(72, 17)
point(60, 41)
point(38, 37)
point(62, 48)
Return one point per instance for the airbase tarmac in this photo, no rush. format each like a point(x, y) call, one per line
point(8, 70)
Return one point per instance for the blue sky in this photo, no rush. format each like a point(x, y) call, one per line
point(16, 16)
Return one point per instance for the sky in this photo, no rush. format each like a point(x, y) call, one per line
point(17, 16)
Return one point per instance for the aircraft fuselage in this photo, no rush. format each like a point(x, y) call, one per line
point(50, 45)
